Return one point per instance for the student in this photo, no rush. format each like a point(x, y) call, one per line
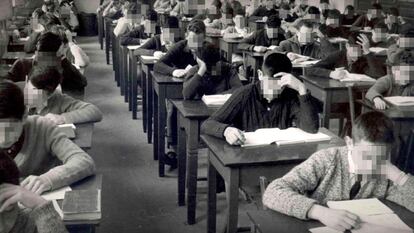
point(138, 31)
point(284, 13)
point(262, 39)
point(355, 59)
point(399, 82)
point(349, 17)
point(368, 20)
point(225, 21)
point(300, 8)
point(210, 75)
point(46, 158)
point(380, 36)
point(50, 48)
point(264, 11)
point(113, 10)
point(333, 26)
point(170, 34)
point(41, 218)
point(396, 23)
point(239, 25)
point(278, 100)
point(43, 99)
point(360, 170)
point(302, 43)
point(182, 53)
point(312, 16)
point(42, 23)
point(130, 17)
point(404, 42)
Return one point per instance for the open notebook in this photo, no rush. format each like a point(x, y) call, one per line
point(352, 77)
point(282, 137)
point(400, 100)
point(215, 100)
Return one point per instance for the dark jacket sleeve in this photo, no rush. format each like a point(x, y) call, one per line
point(16, 72)
point(248, 42)
point(30, 46)
point(192, 82)
point(375, 67)
point(72, 78)
point(132, 38)
point(165, 64)
point(324, 67)
point(148, 48)
point(359, 22)
point(234, 80)
point(224, 116)
point(305, 114)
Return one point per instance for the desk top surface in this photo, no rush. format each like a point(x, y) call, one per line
point(166, 79)
point(391, 111)
point(196, 109)
point(269, 220)
point(328, 83)
point(84, 133)
point(147, 61)
point(254, 54)
point(17, 55)
point(236, 156)
point(231, 40)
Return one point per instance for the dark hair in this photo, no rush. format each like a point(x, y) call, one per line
point(334, 13)
point(61, 32)
point(394, 11)
point(273, 21)
point(172, 22)
point(353, 38)
point(305, 23)
point(210, 54)
point(196, 26)
point(381, 25)
point(152, 15)
point(45, 77)
point(9, 172)
point(11, 101)
point(276, 62)
point(376, 6)
point(406, 57)
point(324, 1)
point(407, 33)
point(374, 127)
point(314, 10)
point(350, 8)
point(49, 42)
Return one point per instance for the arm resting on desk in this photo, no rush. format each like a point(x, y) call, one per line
point(133, 37)
point(248, 43)
point(76, 111)
point(148, 48)
point(30, 45)
point(324, 67)
point(380, 88)
point(375, 68)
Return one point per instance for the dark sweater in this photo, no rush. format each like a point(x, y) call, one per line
point(30, 45)
point(385, 86)
point(195, 86)
point(363, 21)
point(152, 45)
point(133, 37)
point(248, 110)
point(368, 65)
point(292, 45)
point(262, 11)
point(178, 57)
point(259, 38)
point(73, 80)
point(348, 21)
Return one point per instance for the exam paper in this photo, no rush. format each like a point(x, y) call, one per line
point(352, 77)
point(400, 100)
point(58, 194)
point(383, 223)
point(361, 207)
point(323, 230)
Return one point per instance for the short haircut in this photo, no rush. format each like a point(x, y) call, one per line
point(406, 58)
point(394, 11)
point(376, 6)
point(314, 10)
point(45, 77)
point(210, 54)
point(276, 62)
point(380, 25)
point(350, 8)
point(172, 22)
point(374, 127)
point(334, 14)
point(152, 15)
point(273, 21)
point(49, 42)
point(9, 172)
point(11, 101)
point(61, 32)
point(196, 26)
point(305, 23)
point(353, 38)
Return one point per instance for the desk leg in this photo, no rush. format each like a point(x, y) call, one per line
point(133, 70)
point(212, 197)
point(182, 158)
point(327, 110)
point(150, 107)
point(192, 131)
point(156, 137)
point(233, 201)
point(162, 113)
point(144, 97)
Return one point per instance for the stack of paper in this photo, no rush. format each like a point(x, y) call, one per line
point(68, 130)
point(57, 194)
point(215, 100)
point(351, 77)
point(282, 137)
point(400, 100)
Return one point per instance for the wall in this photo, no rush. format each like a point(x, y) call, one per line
point(88, 6)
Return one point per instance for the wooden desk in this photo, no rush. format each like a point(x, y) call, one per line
point(252, 62)
point(133, 65)
point(331, 91)
point(266, 221)
point(89, 183)
point(84, 134)
point(228, 47)
point(109, 28)
point(191, 114)
point(101, 26)
point(147, 66)
point(165, 87)
point(214, 39)
point(243, 166)
point(11, 57)
point(123, 71)
point(115, 60)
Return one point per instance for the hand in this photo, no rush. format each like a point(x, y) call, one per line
point(379, 103)
point(56, 119)
point(340, 220)
point(36, 184)
point(202, 67)
point(292, 82)
point(11, 194)
point(337, 74)
point(393, 173)
point(260, 49)
point(364, 42)
point(179, 73)
point(292, 56)
point(234, 136)
point(401, 20)
point(264, 19)
point(158, 54)
point(69, 36)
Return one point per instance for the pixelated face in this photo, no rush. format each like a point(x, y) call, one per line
point(379, 34)
point(149, 27)
point(324, 6)
point(392, 18)
point(312, 17)
point(406, 42)
point(133, 18)
point(370, 158)
point(212, 9)
point(215, 70)
point(332, 21)
point(226, 19)
point(195, 41)
point(49, 58)
point(353, 51)
point(239, 21)
point(269, 4)
point(170, 35)
point(195, 7)
point(271, 88)
point(10, 131)
point(283, 14)
point(272, 32)
point(403, 74)
point(34, 97)
point(305, 35)
point(373, 13)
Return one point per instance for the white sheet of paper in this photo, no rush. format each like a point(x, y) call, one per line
point(215, 100)
point(361, 207)
point(352, 77)
point(323, 230)
point(58, 194)
point(133, 47)
point(149, 57)
point(382, 223)
point(400, 100)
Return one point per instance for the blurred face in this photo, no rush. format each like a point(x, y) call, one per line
point(312, 17)
point(283, 14)
point(272, 32)
point(379, 34)
point(392, 18)
point(353, 52)
point(170, 34)
point(35, 98)
point(133, 18)
point(334, 22)
point(10, 131)
point(373, 13)
point(270, 86)
point(305, 35)
point(403, 74)
point(212, 9)
point(269, 4)
point(239, 21)
point(149, 27)
point(406, 42)
point(195, 41)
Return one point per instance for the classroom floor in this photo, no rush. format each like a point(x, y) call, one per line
point(134, 198)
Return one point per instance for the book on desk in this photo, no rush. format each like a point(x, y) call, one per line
point(82, 205)
point(400, 101)
point(215, 100)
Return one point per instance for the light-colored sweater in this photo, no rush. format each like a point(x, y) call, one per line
point(73, 110)
point(385, 86)
point(48, 153)
point(325, 177)
point(43, 219)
